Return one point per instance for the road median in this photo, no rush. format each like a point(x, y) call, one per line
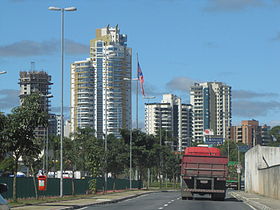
point(78, 202)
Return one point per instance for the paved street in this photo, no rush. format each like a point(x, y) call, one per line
point(172, 200)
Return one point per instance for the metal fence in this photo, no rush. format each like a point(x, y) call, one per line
point(25, 186)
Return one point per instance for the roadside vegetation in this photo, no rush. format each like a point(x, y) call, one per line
point(153, 156)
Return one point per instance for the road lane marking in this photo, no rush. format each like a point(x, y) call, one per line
point(250, 206)
point(165, 205)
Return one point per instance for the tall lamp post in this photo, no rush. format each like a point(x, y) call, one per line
point(68, 9)
point(130, 133)
point(148, 98)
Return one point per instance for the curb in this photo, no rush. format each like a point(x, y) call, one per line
point(106, 202)
point(251, 203)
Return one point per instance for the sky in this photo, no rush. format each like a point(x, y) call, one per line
point(179, 42)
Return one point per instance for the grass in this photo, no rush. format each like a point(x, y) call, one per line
point(44, 199)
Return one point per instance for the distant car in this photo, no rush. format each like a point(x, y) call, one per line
point(19, 174)
point(3, 203)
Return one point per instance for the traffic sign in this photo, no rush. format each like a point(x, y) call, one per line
point(214, 140)
point(243, 148)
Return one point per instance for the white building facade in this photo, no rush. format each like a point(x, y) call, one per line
point(171, 116)
point(211, 102)
point(100, 97)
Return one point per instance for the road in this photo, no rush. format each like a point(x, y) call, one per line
point(172, 200)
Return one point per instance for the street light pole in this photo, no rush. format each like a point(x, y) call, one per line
point(130, 133)
point(62, 82)
point(148, 98)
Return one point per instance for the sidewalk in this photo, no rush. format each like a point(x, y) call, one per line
point(257, 201)
point(79, 203)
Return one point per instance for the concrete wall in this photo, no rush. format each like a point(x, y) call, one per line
point(262, 176)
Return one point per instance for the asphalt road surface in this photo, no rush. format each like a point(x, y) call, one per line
point(172, 200)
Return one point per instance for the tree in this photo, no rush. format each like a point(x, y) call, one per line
point(54, 146)
point(117, 156)
point(90, 153)
point(32, 160)
point(71, 156)
point(3, 120)
point(171, 163)
point(275, 133)
point(232, 147)
point(18, 133)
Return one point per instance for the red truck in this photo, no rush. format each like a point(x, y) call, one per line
point(204, 171)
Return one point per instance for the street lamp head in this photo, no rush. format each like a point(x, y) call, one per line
point(64, 9)
point(70, 9)
point(3, 72)
point(128, 79)
point(55, 8)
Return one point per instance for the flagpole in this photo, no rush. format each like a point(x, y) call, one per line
point(137, 92)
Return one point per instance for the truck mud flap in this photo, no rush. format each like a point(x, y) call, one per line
point(186, 195)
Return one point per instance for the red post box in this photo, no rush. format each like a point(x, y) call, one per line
point(42, 183)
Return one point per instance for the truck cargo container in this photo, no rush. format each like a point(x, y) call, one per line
point(203, 171)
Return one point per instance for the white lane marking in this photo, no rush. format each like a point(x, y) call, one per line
point(250, 206)
point(244, 200)
point(169, 202)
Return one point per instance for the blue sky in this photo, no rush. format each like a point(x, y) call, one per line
point(178, 41)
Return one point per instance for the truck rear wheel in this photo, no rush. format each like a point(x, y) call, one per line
point(218, 196)
point(187, 198)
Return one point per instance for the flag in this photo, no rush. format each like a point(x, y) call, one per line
point(140, 78)
point(208, 132)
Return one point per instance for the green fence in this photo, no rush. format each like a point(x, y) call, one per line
point(25, 186)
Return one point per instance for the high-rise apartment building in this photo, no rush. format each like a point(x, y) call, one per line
point(100, 97)
point(251, 133)
point(52, 128)
point(211, 103)
point(171, 116)
point(36, 82)
point(266, 136)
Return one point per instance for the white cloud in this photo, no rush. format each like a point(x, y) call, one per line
point(9, 99)
point(180, 83)
point(274, 123)
point(252, 109)
point(246, 94)
point(232, 5)
point(27, 48)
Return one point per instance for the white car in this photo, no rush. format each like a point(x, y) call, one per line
point(3, 203)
